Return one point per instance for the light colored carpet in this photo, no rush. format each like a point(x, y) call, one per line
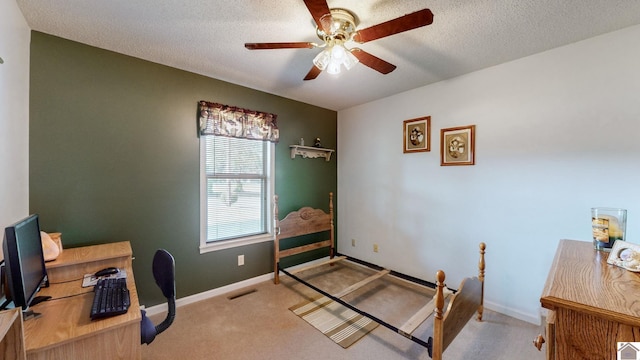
point(259, 325)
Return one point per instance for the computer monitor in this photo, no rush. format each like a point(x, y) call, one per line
point(24, 262)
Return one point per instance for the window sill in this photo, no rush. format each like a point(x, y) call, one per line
point(228, 244)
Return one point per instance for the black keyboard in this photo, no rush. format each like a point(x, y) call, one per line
point(111, 297)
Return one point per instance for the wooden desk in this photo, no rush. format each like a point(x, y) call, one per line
point(65, 330)
point(11, 336)
point(592, 304)
point(75, 262)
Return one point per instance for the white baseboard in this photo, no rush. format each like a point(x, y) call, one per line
point(530, 318)
point(161, 308)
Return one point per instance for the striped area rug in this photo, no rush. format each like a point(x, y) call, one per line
point(341, 324)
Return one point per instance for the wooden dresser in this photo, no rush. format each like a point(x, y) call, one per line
point(592, 305)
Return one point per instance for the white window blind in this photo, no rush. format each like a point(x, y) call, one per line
point(236, 187)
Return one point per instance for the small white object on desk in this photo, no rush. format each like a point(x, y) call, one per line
point(91, 279)
point(50, 249)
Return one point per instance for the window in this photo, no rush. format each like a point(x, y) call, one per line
point(236, 175)
point(237, 191)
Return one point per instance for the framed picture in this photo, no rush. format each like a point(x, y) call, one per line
point(625, 255)
point(457, 145)
point(417, 134)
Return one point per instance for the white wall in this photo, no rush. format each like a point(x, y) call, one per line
point(557, 133)
point(14, 114)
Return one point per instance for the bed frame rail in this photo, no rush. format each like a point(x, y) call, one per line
point(426, 344)
point(315, 265)
point(423, 314)
point(463, 303)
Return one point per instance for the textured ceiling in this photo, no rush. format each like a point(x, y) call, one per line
point(207, 37)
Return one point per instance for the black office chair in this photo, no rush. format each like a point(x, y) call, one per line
point(165, 274)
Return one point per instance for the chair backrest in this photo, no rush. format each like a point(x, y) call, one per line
point(164, 274)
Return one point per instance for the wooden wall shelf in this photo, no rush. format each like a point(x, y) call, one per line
point(310, 152)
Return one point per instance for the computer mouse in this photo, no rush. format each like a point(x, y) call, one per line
point(107, 271)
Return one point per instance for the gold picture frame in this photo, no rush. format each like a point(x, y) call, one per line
point(457, 146)
point(416, 134)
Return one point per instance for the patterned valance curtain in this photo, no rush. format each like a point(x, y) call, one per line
point(224, 120)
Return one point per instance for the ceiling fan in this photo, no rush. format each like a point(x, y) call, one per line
point(337, 26)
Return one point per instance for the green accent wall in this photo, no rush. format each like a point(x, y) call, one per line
point(114, 155)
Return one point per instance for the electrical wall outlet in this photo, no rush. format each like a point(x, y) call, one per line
point(353, 242)
point(240, 260)
point(375, 247)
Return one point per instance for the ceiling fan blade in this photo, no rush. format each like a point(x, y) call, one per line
point(321, 14)
point(280, 45)
point(313, 73)
point(373, 62)
point(407, 22)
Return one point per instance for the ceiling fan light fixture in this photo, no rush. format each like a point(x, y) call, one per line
point(337, 26)
point(333, 68)
point(341, 24)
point(350, 60)
point(338, 53)
point(333, 57)
point(322, 59)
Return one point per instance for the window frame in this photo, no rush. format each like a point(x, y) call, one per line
point(206, 246)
